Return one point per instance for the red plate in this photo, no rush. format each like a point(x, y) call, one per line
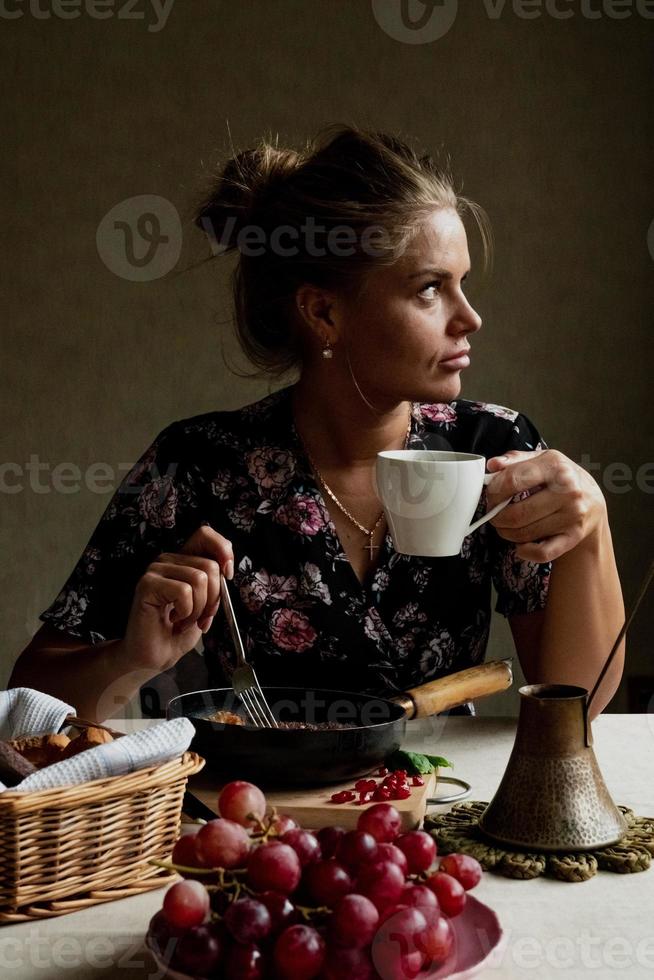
point(478, 936)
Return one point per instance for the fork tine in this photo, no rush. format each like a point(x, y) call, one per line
point(244, 680)
point(246, 704)
point(253, 708)
point(264, 707)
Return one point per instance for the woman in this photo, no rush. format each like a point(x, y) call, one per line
point(352, 257)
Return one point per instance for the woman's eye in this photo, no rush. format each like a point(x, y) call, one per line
point(434, 284)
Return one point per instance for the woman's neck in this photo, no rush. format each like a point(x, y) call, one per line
point(340, 428)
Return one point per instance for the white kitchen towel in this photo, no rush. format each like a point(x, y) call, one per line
point(148, 747)
point(26, 712)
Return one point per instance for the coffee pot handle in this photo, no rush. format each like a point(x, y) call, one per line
point(492, 512)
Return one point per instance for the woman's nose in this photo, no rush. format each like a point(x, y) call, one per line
point(466, 320)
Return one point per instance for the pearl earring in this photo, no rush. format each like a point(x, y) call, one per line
point(327, 351)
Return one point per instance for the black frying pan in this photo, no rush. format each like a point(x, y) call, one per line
point(272, 756)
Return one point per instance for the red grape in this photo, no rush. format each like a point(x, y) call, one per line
point(382, 821)
point(242, 802)
point(449, 892)
point(274, 866)
point(389, 852)
point(328, 838)
point(420, 897)
point(395, 950)
point(248, 920)
point(466, 869)
point(281, 822)
point(187, 852)
point(163, 935)
point(186, 904)
point(356, 848)
point(244, 963)
point(437, 940)
point(354, 922)
point(299, 953)
point(224, 844)
point(198, 951)
point(382, 882)
point(355, 964)
point(419, 849)
point(282, 911)
point(304, 844)
point(327, 882)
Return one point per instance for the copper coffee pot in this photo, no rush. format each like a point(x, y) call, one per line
point(552, 796)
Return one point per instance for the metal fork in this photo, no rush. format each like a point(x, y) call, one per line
point(244, 679)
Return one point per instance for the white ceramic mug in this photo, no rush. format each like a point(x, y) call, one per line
point(430, 497)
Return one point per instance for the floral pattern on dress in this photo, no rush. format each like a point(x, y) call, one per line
point(499, 411)
point(302, 514)
point(271, 469)
point(305, 618)
point(292, 630)
point(444, 414)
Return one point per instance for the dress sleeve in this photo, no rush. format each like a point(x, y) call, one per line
point(154, 509)
point(521, 586)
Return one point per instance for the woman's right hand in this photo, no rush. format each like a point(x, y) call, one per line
point(176, 599)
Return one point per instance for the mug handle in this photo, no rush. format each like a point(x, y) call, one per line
point(491, 513)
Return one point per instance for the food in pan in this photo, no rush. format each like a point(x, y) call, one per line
point(230, 718)
point(226, 718)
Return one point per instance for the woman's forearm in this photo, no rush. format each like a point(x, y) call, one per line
point(95, 679)
point(584, 613)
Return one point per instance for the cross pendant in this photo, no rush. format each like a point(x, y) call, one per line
point(370, 547)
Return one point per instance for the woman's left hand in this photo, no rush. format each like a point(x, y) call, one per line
point(565, 507)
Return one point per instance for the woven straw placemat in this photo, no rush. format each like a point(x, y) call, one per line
point(458, 832)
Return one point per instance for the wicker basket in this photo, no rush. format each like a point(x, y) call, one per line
point(89, 843)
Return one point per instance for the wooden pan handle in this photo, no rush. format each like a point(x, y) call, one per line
point(455, 689)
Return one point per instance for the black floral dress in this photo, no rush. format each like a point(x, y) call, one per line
point(305, 617)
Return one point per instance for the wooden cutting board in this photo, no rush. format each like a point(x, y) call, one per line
point(312, 809)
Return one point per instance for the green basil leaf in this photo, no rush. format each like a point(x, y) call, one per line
point(416, 763)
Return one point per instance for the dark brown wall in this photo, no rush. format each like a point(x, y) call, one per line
point(548, 124)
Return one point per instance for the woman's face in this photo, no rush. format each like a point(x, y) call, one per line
point(413, 316)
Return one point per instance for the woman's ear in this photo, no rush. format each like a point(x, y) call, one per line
point(318, 316)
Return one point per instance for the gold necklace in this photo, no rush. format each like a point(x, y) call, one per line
point(369, 532)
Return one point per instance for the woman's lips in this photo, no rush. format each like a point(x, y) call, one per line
point(457, 362)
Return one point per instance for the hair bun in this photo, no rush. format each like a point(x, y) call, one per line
point(241, 188)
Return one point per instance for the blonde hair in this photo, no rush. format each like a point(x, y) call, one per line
point(345, 178)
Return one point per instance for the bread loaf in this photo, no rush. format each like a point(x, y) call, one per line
point(41, 750)
point(13, 766)
point(88, 738)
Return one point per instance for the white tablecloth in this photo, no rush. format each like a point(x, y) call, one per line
point(600, 928)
